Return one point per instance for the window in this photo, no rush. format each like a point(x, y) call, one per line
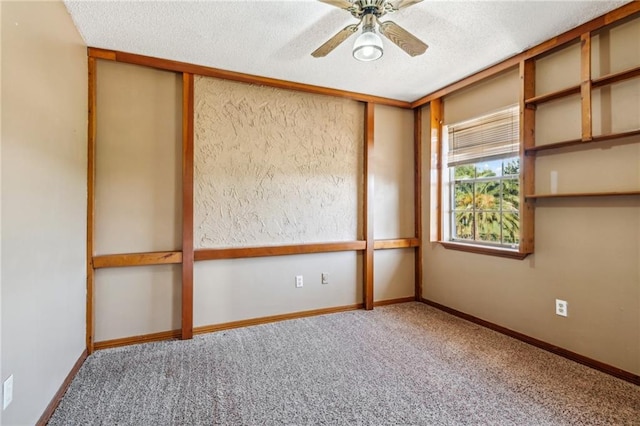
point(481, 195)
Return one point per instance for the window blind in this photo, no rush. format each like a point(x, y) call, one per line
point(489, 137)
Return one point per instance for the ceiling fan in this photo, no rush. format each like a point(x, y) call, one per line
point(368, 45)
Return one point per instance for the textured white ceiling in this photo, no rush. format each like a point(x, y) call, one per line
point(275, 38)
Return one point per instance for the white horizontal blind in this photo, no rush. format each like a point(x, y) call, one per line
point(489, 137)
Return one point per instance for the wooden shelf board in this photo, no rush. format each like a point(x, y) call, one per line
point(616, 77)
point(583, 194)
point(574, 142)
point(536, 100)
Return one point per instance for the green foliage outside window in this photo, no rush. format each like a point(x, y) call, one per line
point(486, 202)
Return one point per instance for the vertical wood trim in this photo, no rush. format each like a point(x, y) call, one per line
point(367, 271)
point(436, 169)
point(527, 161)
point(417, 200)
point(91, 175)
point(187, 206)
point(585, 86)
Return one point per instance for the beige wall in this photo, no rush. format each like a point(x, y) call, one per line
point(44, 125)
point(587, 249)
point(138, 197)
point(393, 214)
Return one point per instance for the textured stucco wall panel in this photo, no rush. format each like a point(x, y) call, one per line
point(275, 166)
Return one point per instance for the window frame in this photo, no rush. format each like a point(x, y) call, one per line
point(440, 205)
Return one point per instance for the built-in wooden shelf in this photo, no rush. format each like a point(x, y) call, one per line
point(537, 100)
point(616, 77)
point(574, 90)
point(582, 194)
point(575, 142)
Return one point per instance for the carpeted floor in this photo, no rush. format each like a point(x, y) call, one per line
point(406, 364)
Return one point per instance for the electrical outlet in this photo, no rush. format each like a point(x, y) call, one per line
point(562, 308)
point(7, 392)
point(325, 278)
point(299, 282)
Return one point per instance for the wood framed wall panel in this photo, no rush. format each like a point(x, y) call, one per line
point(187, 206)
point(368, 205)
point(182, 67)
point(91, 176)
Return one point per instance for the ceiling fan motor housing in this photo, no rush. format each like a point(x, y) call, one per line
point(376, 8)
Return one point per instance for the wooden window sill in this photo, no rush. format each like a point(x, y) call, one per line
point(490, 251)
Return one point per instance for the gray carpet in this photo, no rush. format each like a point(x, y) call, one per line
point(406, 364)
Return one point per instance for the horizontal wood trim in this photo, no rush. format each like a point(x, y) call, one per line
point(394, 301)
point(266, 251)
point(574, 90)
point(101, 54)
point(616, 77)
point(55, 401)
point(137, 259)
point(182, 67)
point(274, 318)
point(581, 359)
point(579, 142)
point(583, 194)
point(622, 12)
point(396, 243)
point(134, 340)
point(490, 251)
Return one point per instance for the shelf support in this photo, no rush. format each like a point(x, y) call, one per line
point(585, 86)
point(527, 161)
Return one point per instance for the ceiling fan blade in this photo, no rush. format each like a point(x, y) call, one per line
point(342, 4)
point(334, 41)
point(402, 38)
point(401, 4)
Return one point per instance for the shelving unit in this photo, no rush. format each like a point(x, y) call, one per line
point(531, 101)
point(583, 194)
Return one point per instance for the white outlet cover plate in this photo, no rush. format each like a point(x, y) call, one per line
point(299, 282)
point(562, 307)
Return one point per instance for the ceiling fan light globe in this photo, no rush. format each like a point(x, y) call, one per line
point(368, 46)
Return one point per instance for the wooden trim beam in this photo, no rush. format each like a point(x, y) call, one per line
point(584, 194)
point(616, 77)
point(187, 206)
point(55, 401)
point(436, 110)
point(417, 202)
point(91, 202)
point(275, 318)
point(580, 142)
point(581, 359)
point(489, 251)
point(585, 85)
point(134, 340)
point(369, 194)
point(548, 97)
point(396, 243)
point(267, 251)
point(137, 259)
point(388, 302)
point(183, 67)
point(527, 162)
point(569, 36)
